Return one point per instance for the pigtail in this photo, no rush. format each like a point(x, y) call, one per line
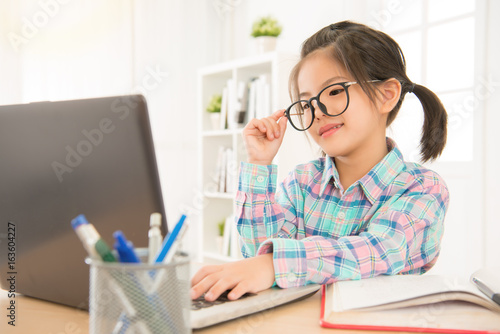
point(434, 130)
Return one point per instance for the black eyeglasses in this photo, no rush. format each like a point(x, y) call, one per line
point(332, 100)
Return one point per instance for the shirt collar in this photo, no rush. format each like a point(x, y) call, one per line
point(383, 173)
point(330, 172)
point(376, 180)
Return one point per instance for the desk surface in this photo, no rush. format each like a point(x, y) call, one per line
point(37, 316)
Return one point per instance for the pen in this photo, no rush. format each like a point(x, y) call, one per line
point(125, 248)
point(487, 291)
point(96, 247)
point(154, 236)
point(171, 242)
point(167, 252)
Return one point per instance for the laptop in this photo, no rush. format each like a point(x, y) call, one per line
point(90, 156)
point(62, 159)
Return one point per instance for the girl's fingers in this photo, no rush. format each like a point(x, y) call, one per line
point(219, 287)
point(239, 290)
point(271, 127)
point(203, 286)
point(277, 114)
point(203, 272)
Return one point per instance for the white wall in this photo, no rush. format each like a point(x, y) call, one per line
point(492, 138)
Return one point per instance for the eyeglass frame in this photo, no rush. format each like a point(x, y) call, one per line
point(345, 85)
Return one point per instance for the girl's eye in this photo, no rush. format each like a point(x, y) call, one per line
point(305, 105)
point(336, 91)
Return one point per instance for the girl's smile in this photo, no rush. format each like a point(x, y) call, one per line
point(329, 129)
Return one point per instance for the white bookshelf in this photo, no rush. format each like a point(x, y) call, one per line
point(217, 205)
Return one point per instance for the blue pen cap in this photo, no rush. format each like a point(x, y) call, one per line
point(79, 220)
point(125, 248)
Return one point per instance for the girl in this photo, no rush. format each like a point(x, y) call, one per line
point(358, 212)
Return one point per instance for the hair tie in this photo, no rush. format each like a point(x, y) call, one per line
point(412, 87)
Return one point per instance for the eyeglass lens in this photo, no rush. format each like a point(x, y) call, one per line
point(332, 101)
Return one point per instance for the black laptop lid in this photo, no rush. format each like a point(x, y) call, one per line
point(61, 159)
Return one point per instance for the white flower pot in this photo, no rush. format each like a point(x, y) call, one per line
point(215, 119)
point(265, 43)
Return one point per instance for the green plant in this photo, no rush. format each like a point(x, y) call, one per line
point(220, 226)
point(266, 26)
point(215, 103)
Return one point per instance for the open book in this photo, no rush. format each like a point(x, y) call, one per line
point(427, 303)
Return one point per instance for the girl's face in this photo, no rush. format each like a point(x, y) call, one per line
point(358, 129)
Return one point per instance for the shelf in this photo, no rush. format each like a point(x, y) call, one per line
point(265, 79)
point(220, 133)
point(219, 257)
point(220, 195)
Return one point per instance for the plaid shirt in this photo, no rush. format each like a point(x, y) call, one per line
point(388, 222)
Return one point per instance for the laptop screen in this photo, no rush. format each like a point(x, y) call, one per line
point(62, 159)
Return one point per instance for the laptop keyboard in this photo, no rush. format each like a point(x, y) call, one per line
point(200, 302)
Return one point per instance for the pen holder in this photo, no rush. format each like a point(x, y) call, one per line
point(140, 297)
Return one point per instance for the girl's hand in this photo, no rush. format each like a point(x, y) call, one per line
point(248, 275)
point(263, 137)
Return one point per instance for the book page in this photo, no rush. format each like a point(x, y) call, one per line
point(370, 292)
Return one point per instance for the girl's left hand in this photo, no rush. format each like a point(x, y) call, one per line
point(248, 275)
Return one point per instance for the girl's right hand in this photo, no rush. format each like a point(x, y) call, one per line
point(263, 137)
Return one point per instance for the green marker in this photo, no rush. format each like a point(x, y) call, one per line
point(91, 239)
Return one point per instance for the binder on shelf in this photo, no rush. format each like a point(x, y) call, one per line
point(230, 167)
point(226, 236)
point(231, 103)
point(251, 100)
point(225, 170)
point(241, 105)
point(223, 109)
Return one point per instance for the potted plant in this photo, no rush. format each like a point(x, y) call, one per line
point(214, 107)
point(266, 30)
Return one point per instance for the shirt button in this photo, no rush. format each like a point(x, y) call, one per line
point(260, 179)
point(291, 277)
point(341, 215)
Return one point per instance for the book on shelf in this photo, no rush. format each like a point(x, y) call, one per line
point(223, 109)
point(412, 303)
point(226, 236)
point(245, 100)
point(261, 104)
point(230, 239)
point(224, 170)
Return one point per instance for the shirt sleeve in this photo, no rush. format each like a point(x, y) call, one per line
point(403, 237)
point(258, 216)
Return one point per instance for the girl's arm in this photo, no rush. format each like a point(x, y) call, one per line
point(258, 216)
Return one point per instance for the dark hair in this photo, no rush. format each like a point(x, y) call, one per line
point(368, 54)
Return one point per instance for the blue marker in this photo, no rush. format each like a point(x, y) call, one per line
point(171, 242)
point(125, 248)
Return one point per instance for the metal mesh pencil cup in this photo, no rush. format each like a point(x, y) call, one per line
point(140, 297)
